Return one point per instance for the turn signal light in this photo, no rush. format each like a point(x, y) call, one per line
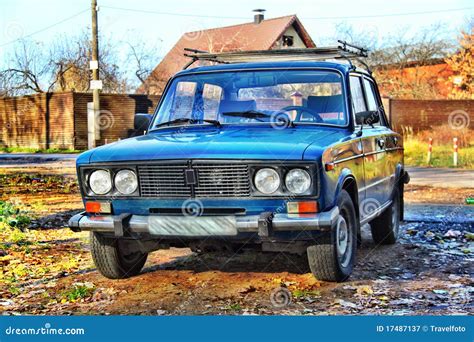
point(304, 207)
point(98, 207)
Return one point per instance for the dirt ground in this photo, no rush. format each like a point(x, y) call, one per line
point(47, 269)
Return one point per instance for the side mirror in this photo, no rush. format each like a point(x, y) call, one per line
point(368, 117)
point(141, 122)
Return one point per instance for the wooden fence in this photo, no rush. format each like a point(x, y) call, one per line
point(59, 120)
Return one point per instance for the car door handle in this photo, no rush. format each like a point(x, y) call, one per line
point(381, 142)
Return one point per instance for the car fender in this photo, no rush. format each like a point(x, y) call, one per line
point(345, 175)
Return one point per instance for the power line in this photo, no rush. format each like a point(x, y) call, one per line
point(392, 14)
point(305, 18)
point(45, 28)
point(171, 13)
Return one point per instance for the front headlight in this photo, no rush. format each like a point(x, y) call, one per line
point(298, 181)
point(126, 182)
point(267, 181)
point(100, 182)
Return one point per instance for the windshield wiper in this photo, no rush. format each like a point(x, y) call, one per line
point(187, 120)
point(254, 114)
point(251, 114)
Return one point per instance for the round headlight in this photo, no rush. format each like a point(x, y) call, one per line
point(267, 180)
point(126, 182)
point(100, 182)
point(298, 181)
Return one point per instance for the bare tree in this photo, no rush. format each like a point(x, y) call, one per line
point(65, 66)
point(142, 58)
point(29, 71)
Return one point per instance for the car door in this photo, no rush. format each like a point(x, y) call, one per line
point(379, 138)
point(393, 141)
point(372, 195)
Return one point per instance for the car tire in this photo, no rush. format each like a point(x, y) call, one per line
point(333, 258)
point(385, 228)
point(110, 259)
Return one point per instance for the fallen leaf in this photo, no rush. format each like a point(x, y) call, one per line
point(364, 290)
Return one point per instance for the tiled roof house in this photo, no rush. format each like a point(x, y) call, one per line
point(261, 34)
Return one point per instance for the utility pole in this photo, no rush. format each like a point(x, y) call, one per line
point(96, 84)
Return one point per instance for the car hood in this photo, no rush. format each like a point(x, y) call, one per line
point(228, 142)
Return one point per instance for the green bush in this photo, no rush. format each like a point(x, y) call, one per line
point(12, 217)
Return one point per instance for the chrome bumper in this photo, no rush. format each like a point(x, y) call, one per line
point(202, 226)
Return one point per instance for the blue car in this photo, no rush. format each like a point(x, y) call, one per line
point(280, 151)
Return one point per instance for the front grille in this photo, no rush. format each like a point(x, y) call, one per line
point(163, 180)
point(213, 180)
point(222, 180)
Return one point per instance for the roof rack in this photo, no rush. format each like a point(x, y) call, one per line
point(344, 50)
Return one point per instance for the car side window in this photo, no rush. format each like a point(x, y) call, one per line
point(372, 102)
point(369, 91)
point(358, 101)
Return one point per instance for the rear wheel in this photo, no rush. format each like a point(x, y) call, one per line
point(332, 259)
point(112, 259)
point(385, 227)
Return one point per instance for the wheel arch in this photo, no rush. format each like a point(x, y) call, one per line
point(348, 182)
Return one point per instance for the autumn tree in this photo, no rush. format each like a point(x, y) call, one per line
point(400, 60)
point(462, 65)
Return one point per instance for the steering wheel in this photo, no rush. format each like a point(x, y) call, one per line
point(302, 109)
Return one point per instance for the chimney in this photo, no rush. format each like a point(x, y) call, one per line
point(258, 17)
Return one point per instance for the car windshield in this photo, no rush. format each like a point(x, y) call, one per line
point(243, 97)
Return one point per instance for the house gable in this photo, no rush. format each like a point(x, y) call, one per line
point(269, 34)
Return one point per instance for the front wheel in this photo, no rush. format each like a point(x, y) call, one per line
point(333, 258)
point(112, 259)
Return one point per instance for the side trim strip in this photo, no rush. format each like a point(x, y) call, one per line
point(347, 159)
point(376, 183)
point(365, 154)
point(394, 148)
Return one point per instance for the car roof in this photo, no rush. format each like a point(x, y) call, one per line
point(342, 67)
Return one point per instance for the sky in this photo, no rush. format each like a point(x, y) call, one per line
point(162, 22)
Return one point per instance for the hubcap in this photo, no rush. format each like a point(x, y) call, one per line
point(343, 242)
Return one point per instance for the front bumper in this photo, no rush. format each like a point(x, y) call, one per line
point(204, 226)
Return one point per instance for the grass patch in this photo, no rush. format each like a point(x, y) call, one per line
point(77, 292)
point(234, 307)
point(298, 294)
point(416, 147)
point(37, 150)
point(416, 152)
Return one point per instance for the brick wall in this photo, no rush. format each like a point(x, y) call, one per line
point(424, 114)
point(59, 120)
